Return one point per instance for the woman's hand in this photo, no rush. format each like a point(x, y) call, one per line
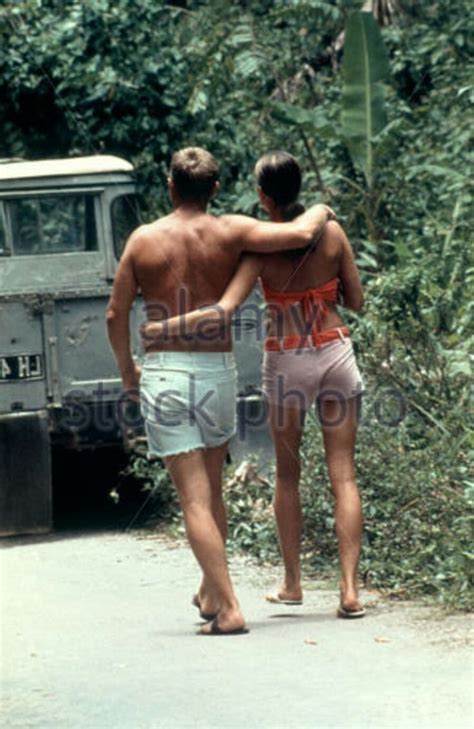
point(151, 332)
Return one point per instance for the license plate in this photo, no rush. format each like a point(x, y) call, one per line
point(21, 367)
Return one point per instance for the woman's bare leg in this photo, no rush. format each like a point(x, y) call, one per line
point(286, 427)
point(339, 425)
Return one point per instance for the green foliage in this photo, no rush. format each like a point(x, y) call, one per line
point(418, 515)
point(142, 79)
point(250, 513)
point(365, 69)
point(79, 78)
point(155, 481)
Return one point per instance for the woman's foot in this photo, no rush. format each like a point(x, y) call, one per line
point(343, 612)
point(287, 595)
point(349, 605)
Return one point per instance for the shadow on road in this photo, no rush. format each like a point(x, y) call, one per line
point(90, 495)
point(84, 485)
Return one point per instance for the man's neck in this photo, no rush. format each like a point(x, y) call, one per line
point(189, 208)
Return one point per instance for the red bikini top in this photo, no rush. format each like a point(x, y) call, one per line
point(310, 299)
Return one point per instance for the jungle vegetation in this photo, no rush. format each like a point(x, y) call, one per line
point(392, 156)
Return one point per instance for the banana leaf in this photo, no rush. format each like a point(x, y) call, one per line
point(313, 121)
point(365, 68)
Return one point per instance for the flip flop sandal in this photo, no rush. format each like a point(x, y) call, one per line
point(343, 612)
point(216, 630)
point(205, 616)
point(277, 600)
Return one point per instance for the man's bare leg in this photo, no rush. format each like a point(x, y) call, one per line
point(286, 427)
point(190, 478)
point(339, 442)
point(214, 459)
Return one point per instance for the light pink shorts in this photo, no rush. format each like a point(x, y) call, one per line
point(307, 375)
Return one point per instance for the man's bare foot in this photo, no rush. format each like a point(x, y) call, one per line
point(208, 609)
point(213, 628)
point(227, 622)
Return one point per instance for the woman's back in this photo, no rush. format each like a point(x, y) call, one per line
point(310, 270)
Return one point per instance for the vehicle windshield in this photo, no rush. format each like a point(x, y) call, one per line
point(52, 224)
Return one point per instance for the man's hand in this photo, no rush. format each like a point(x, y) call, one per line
point(331, 214)
point(319, 214)
point(131, 382)
point(319, 211)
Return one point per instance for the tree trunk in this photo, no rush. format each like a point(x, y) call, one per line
point(383, 10)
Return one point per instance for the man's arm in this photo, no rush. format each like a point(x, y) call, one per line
point(117, 317)
point(262, 237)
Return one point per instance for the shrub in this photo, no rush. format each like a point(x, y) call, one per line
point(155, 481)
point(417, 504)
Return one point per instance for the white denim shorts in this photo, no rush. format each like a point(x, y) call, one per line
point(188, 400)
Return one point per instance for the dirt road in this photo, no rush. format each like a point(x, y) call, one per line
point(98, 632)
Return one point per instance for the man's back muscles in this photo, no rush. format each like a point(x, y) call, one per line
point(192, 254)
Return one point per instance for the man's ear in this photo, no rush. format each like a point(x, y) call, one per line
point(215, 189)
point(265, 201)
point(174, 197)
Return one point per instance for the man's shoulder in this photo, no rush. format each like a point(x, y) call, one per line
point(140, 233)
point(148, 232)
point(234, 219)
point(236, 227)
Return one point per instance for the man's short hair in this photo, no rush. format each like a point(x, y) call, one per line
point(194, 172)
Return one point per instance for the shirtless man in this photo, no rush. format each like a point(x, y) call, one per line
point(188, 384)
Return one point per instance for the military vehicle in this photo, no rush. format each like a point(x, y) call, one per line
point(63, 225)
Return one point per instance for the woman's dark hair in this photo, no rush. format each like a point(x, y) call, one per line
point(279, 176)
point(291, 211)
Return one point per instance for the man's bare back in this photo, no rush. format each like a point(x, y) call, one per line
point(183, 262)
